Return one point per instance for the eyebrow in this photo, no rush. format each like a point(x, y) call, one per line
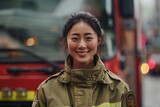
point(88, 33)
point(76, 34)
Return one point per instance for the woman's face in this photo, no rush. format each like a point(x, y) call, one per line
point(82, 43)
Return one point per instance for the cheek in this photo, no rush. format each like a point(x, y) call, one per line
point(93, 45)
point(71, 45)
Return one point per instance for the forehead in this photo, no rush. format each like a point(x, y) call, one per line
point(81, 26)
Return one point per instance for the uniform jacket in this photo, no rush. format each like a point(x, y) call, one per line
point(96, 87)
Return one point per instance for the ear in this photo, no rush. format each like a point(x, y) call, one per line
point(99, 40)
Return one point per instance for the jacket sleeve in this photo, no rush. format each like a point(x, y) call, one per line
point(124, 97)
point(40, 99)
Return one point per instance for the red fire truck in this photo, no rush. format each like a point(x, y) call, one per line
point(30, 31)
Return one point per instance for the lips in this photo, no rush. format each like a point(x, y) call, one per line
point(82, 54)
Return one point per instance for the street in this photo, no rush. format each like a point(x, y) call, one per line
point(151, 91)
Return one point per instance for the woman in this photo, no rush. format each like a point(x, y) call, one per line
point(84, 82)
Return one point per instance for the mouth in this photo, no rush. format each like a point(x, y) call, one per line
point(82, 54)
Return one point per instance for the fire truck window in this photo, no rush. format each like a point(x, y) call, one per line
point(36, 25)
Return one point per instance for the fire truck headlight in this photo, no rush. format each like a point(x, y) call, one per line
point(21, 93)
point(32, 41)
point(6, 92)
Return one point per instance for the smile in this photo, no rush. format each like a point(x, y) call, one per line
point(82, 54)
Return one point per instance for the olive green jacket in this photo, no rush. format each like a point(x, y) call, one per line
point(95, 87)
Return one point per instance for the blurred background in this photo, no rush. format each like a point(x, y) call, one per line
point(30, 50)
point(151, 58)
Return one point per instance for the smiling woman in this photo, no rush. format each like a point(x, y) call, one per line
point(84, 81)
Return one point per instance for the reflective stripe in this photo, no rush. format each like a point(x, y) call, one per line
point(29, 97)
point(117, 104)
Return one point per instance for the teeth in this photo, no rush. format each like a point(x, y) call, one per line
point(82, 53)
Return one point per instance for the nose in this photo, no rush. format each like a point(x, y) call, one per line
point(82, 44)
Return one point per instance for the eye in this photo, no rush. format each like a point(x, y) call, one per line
point(89, 38)
point(74, 38)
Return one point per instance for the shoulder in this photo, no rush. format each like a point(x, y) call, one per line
point(116, 80)
point(113, 76)
point(50, 80)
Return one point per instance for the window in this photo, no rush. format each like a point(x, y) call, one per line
point(36, 25)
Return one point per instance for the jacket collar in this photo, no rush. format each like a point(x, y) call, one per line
point(85, 77)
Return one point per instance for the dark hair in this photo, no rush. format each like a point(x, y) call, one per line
point(82, 16)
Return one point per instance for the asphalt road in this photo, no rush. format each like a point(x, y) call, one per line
point(151, 91)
